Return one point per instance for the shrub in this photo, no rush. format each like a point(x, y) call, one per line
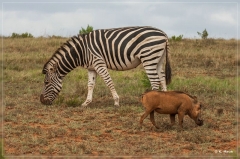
point(177, 38)
point(204, 34)
point(86, 31)
point(23, 35)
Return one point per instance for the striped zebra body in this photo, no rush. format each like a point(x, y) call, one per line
point(117, 49)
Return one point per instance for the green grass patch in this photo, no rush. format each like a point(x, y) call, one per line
point(205, 84)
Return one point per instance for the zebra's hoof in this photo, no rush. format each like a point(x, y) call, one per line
point(84, 105)
point(116, 105)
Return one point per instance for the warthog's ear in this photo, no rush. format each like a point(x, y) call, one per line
point(194, 97)
point(195, 100)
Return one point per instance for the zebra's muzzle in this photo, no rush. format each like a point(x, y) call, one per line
point(45, 101)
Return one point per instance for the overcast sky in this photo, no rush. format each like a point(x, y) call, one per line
point(63, 18)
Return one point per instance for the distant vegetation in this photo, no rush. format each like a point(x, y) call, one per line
point(176, 38)
point(85, 31)
point(89, 28)
point(29, 35)
point(23, 35)
point(204, 34)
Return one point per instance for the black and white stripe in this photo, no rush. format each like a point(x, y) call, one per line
point(117, 49)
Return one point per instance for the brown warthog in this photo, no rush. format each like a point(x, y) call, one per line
point(171, 102)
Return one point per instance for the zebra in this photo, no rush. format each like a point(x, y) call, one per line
point(116, 49)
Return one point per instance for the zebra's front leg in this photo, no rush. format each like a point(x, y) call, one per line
point(91, 83)
point(103, 72)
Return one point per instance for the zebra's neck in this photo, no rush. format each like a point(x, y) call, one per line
point(70, 55)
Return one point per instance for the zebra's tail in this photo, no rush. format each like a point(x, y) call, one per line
point(168, 70)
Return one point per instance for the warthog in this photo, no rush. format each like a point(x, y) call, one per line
point(171, 102)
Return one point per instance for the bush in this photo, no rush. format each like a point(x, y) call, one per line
point(86, 31)
point(23, 35)
point(204, 34)
point(177, 38)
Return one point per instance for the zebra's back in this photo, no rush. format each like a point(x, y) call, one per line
point(123, 48)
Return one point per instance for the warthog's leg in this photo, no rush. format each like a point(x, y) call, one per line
point(144, 116)
point(152, 119)
point(172, 118)
point(180, 119)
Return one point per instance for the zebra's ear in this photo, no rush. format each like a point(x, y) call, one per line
point(43, 71)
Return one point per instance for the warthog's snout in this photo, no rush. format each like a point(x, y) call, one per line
point(199, 122)
point(45, 101)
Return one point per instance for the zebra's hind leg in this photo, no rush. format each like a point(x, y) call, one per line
point(152, 75)
point(91, 83)
point(161, 73)
point(101, 69)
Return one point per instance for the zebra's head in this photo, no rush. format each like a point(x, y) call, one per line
point(52, 83)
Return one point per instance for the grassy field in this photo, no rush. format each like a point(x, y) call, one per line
point(207, 69)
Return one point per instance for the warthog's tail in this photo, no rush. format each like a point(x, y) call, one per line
point(168, 70)
point(141, 97)
point(147, 90)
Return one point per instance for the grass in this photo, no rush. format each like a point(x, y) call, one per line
point(207, 69)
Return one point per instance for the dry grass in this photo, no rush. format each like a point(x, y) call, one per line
point(207, 69)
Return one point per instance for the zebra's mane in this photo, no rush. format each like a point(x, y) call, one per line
point(51, 59)
point(109, 29)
